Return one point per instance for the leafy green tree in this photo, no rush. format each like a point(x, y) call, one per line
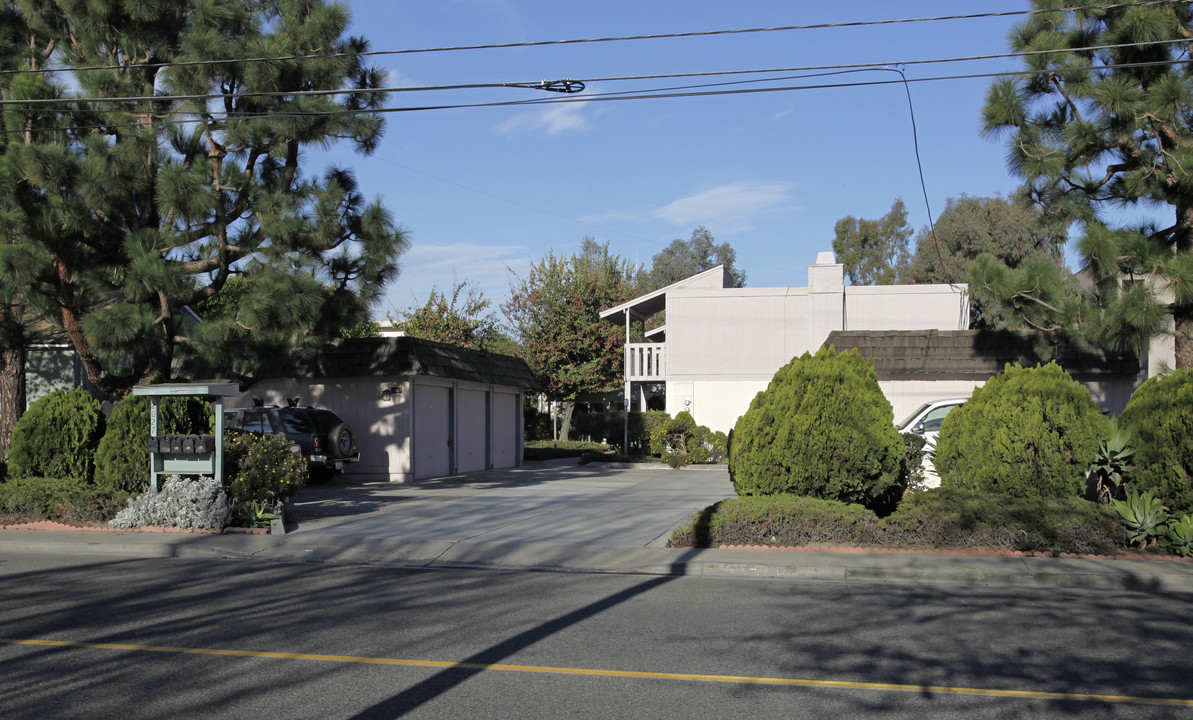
point(168, 164)
point(554, 314)
point(874, 252)
point(1009, 230)
point(685, 258)
point(1089, 131)
point(464, 319)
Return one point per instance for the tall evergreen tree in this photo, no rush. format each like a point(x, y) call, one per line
point(1092, 130)
point(171, 159)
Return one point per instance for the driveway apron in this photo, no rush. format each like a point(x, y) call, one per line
point(540, 503)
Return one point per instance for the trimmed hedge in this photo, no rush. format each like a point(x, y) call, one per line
point(57, 437)
point(1028, 432)
point(67, 500)
point(822, 428)
point(779, 520)
point(1160, 414)
point(943, 518)
point(953, 517)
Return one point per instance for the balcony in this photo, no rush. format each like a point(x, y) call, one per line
point(646, 362)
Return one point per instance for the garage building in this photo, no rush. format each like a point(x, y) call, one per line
point(419, 409)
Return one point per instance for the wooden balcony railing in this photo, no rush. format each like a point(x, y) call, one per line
point(646, 361)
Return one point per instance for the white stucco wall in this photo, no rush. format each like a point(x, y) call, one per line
point(725, 344)
point(716, 404)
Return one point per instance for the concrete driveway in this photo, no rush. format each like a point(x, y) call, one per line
point(555, 502)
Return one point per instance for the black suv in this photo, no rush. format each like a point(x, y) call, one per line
point(319, 435)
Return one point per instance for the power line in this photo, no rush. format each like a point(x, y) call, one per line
point(653, 94)
point(552, 85)
point(577, 41)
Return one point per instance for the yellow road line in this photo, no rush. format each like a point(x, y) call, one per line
point(738, 679)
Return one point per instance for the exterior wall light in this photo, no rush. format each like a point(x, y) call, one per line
point(389, 393)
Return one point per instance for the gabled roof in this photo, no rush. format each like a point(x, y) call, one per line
point(405, 356)
point(902, 354)
point(654, 302)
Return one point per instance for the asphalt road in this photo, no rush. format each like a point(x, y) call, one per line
point(104, 638)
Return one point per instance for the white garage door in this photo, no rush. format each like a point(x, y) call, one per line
point(472, 425)
point(432, 431)
point(505, 430)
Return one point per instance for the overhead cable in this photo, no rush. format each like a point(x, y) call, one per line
point(572, 86)
point(653, 94)
point(577, 41)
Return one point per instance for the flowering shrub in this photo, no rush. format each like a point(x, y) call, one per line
point(261, 467)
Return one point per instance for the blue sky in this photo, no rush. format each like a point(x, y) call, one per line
point(485, 190)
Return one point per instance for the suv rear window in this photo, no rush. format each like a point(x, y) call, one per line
point(294, 421)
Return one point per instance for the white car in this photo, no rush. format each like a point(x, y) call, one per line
point(926, 421)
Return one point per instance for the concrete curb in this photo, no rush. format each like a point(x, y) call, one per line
point(816, 566)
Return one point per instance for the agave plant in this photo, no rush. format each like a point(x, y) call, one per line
point(1180, 536)
point(1144, 516)
point(1112, 467)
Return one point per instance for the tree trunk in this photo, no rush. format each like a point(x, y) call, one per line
point(1183, 322)
point(12, 372)
point(12, 390)
point(566, 407)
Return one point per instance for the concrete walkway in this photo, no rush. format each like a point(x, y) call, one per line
point(565, 517)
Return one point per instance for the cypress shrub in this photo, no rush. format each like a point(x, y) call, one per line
point(823, 429)
point(1028, 432)
point(57, 437)
point(122, 459)
point(1160, 414)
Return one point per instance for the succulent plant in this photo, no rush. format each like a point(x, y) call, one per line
point(1112, 466)
point(1144, 517)
point(1180, 536)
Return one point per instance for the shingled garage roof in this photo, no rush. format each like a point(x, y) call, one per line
point(964, 354)
point(406, 356)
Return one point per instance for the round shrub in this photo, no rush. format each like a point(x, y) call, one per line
point(822, 428)
point(261, 467)
point(57, 437)
point(1028, 432)
point(122, 459)
point(1160, 414)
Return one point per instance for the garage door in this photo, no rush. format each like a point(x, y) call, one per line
point(472, 425)
point(505, 430)
point(432, 431)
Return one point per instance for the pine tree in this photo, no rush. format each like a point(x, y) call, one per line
point(172, 161)
point(1091, 130)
